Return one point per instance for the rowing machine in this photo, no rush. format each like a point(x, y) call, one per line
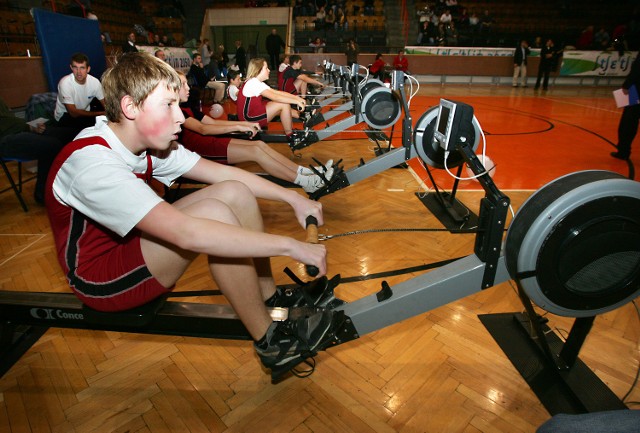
point(372, 102)
point(573, 248)
point(414, 144)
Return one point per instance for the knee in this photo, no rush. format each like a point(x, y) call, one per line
point(261, 146)
point(232, 191)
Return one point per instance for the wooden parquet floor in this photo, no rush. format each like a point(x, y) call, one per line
point(440, 371)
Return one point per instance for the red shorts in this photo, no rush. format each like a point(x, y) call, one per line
point(208, 146)
point(117, 280)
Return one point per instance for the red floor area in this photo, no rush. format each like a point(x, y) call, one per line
point(534, 139)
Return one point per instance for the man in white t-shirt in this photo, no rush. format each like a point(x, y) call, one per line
point(76, 93)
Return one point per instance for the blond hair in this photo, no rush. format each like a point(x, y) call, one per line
point(255, 66)
point(136, 75)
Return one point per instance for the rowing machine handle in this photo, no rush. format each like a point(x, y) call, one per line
point(312, 238)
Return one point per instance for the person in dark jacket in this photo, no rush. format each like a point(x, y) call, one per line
point(628, 126)
point(520, 63)
point(273, 44)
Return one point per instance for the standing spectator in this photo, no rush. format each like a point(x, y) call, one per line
point(205, 52)
point(130, 45)
point(341, 19)
point(223, 61)
point(241, 58)
point(352, 52)
point(628, 126)
point(401, 63)
point(76, 92)
point(273, 44)
point(520, 63)
point(548, 61)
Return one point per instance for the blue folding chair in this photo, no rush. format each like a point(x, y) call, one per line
point(17, 187)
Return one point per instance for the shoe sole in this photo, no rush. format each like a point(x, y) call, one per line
point(325, 340)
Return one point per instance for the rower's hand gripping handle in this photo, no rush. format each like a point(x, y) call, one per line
point(312, 238)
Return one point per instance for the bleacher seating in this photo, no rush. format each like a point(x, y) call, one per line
point(116, 17)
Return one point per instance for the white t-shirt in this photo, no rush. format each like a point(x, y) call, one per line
point(100, 182)
point(233, 92)
point(254, 87)
point(282, 67)
point(80, 95)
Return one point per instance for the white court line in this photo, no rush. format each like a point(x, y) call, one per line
point(562, 101)
point(25, 248)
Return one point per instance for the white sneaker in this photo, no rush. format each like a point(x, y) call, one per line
point(319, 168)
point(315, 182)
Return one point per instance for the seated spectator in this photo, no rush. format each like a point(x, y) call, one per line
point(78, 94)
point(330, 19)
point(199, 135)
point(401, 63)
point(446, 17)
point(286, 61)
point(369, 8)
point(320, 16)
point(449, 34)
point(42, 143)
point(474, 22)
point(585, 41)
point(486, 21)
point(235, 81)
point(200, 80)
point(161, 55)
point(318, 45)
point(428, 34)
point(377, 68)
point(601, 40)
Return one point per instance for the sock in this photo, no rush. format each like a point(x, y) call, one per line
point(302, 180)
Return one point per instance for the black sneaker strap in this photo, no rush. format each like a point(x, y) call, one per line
point(293, 276)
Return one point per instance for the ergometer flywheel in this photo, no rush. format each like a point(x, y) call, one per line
point(574, 245)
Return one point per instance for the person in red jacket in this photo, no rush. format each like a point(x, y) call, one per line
point(400, 62)
point(377, 67)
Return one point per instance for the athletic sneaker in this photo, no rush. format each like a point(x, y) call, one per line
point(300, 139)
point(291, 342)
point(315, 293)
point(318, 168)
point(316, 182)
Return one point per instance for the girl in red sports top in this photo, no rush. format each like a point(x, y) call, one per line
point(253, 106)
